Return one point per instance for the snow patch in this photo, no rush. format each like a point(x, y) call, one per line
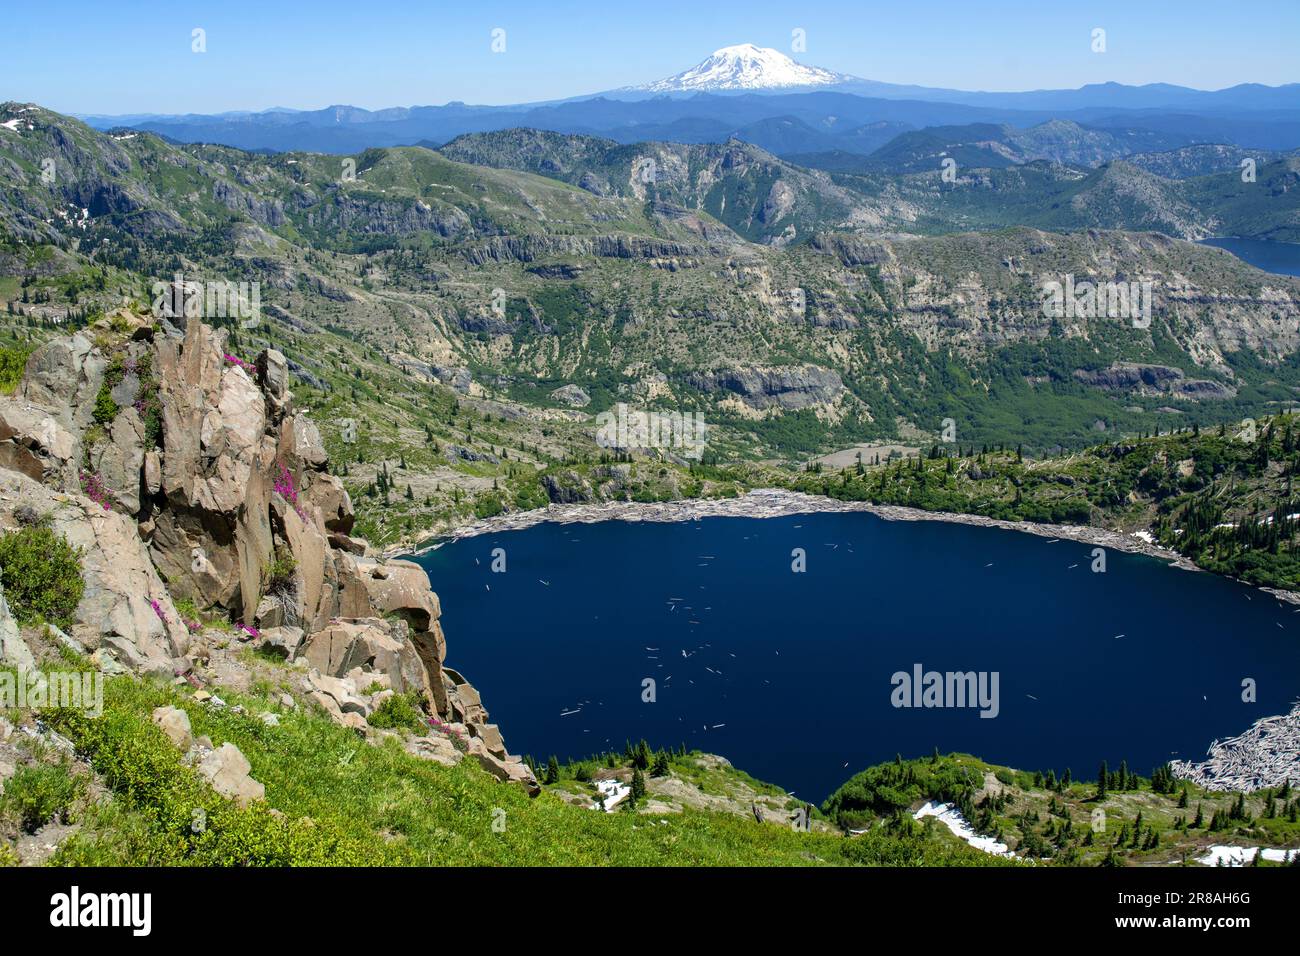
point(1219, 855)
point(952, 818)
point(614, 792)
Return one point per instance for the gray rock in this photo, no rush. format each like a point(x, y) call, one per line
point(283, 640)
point(339, 689)
point(175, 723)
point(273, 371)
point(457, 452)
point(227, 770)
point(35, 442)
point(270, 613)
point(64, 640)
point(571, 395)
point(13, 649)
point(120, 460)
point(788, 387)
point(127, 390)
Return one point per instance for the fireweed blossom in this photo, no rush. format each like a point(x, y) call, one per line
point(442, 728)
point(93, 486)
point(236, 360)
point(287, 490)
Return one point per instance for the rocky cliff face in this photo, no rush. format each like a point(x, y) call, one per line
point(185, 472)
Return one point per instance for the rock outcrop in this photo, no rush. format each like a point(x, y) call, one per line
point(1153, 380)
point(181, 470)
point(787, 387)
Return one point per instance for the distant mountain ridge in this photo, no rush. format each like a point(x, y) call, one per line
point(767, 98)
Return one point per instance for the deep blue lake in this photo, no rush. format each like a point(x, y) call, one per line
point(788, 674)
point(1282, 258)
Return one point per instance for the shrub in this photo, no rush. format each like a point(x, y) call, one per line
point(279, 573)
point(105, 407)
point(41, 574)
point(39, 793)
point(13, 359)
point(399, 710)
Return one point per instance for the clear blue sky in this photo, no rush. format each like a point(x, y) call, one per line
point(96, 56)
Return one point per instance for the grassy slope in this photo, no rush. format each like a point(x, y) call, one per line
point(337, 800)
point(343, 801)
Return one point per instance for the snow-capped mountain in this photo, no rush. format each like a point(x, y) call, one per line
point(745, 67)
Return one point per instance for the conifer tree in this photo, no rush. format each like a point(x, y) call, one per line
point(638, 785)
point(661, 765)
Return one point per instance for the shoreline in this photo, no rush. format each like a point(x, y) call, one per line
point(781, 502)
point(778, 503)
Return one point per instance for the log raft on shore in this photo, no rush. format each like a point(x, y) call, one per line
point(1266, 755)
point(779, 502)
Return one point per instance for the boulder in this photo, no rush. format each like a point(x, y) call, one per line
point(571, 395)
point(175, 723)
point(284, 640)
point(466, 705)
point(273, 374)
point(64, 375)
point(353, 596)
point(227, 770)
point(343, 542)
point(300, 441)
point(507, 770)
point(434, 747)
point(400, 587)
point(34, 442)
point(270, 613)
point(327, 493)
point(314, 592)
point(371, 645)
point(152, 472)
point(490, 734)
point(338, 689)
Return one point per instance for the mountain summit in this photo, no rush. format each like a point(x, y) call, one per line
point(745, 67)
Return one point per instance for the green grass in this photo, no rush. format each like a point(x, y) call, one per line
point(344, 801)
point(39, 793)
